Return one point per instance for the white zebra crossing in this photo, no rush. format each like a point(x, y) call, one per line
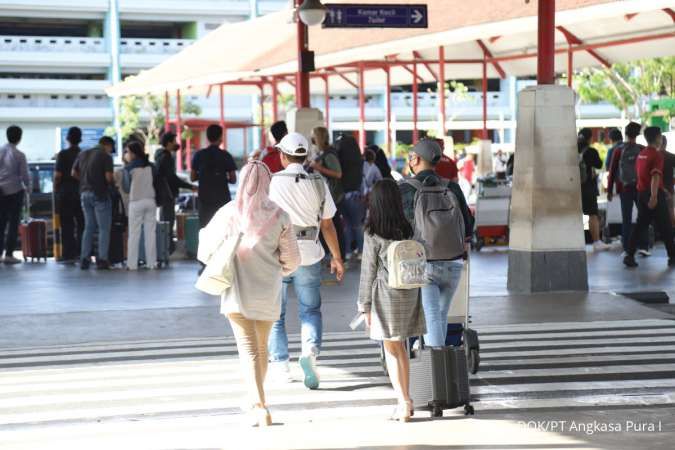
point(523, 367)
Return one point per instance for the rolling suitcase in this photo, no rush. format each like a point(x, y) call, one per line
point(33, 235)
point(439, 379)
point(163, 234)
point(192, 235)
point(117, 250)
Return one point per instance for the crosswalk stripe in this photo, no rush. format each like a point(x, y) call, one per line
point(533, 366)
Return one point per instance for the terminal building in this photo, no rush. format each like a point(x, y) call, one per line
point(55, 63)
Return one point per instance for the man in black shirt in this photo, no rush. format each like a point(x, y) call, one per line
point(590, 162)
point(67, 198)
point(169, 182)
point(214, 169)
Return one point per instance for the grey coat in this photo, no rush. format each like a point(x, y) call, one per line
point(396, 314)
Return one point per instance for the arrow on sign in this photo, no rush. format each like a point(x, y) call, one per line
point(417, 16)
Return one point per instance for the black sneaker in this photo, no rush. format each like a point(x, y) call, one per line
point(629, 261)
point(85, 264)
point(102, 265)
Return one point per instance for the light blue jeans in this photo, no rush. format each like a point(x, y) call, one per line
point(307, 283)
point(97, 215)
point(443, 277)
point(353, 212)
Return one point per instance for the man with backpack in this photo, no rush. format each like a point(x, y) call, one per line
point(353, 208)
point(589, 162)
point(214, 169)
point(437, 209)
point(623, 174)
point(652, 202)
point(307, 200)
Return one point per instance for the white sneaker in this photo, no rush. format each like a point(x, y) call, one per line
point(11, 260)
point(599, 246)
point(644, 253)
point(280, 372)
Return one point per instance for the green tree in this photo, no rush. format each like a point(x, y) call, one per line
point(144, 116)
point(628, 86)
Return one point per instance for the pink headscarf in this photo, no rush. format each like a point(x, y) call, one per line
point(255, 212)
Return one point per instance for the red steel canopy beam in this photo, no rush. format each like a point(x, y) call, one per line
point(302, 84)
point(275, 100)
point(326, 93)
point(413, 72)
point(488, 54)
point(441, 88)
point(485, 130)
point(344, 77)
point(426, 65)
point(221, 96)
point(179, 132)
point(573, 39)
point(263, 135)
point(388, 112)
point(416, 134)
point(167, 112)
point(546, 42)
point(670, 12)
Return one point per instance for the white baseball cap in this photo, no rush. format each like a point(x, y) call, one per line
point(294, 144)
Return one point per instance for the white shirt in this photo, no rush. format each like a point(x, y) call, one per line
point(302, 203)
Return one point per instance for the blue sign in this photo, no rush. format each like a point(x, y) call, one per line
point(340, 15)
point(90, 137)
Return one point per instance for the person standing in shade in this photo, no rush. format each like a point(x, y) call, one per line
point(589, 162)
point(328, 165)
point(94, 170)
point(272, 156)
point(371, 174)
point(214, 169)
point(392, 315)
point(652, 203)
point(67, 198)
point(14, 183)
point(352, 208)
point(138, 180)
point(668, 168)
point(443, 274)
point(381, 161)
point(623, 175)
point(307, 200)
point(165, 161)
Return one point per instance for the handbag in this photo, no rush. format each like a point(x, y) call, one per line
point(218, 274)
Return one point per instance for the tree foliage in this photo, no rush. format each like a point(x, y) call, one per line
point(628, 86)
point(144, 117)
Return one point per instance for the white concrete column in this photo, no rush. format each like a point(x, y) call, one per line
point(547, 251)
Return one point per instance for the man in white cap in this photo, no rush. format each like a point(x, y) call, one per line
point(308, 202)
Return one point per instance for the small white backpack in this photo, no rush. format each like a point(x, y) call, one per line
point(406, 263)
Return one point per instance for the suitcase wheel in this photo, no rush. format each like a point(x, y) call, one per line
point(437, 411)
point(468, 410)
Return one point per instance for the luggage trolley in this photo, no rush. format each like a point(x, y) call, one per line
point(492, 211)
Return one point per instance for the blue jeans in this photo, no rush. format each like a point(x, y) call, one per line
point(353, 212)
point(628, 199)
point(443, 277)
point(307, 283)
point(97, 215)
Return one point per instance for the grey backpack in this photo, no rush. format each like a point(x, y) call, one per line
point(627, 169)
point(439, 223)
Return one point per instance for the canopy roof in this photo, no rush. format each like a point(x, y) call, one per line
point(503, 32)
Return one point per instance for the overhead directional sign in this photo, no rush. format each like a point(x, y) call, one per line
point(347, 15)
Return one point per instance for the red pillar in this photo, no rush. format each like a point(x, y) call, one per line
point(275, 100)
point(416, 134)
point(441, 88)
point(179, 132)
point(485, 130)
point(546, 43)
point(570, 66)
point(188, 153)
point(362, 109)
point(263, 134)
point(302, 78)
point(388, 114)
point(222, 115)
point(326, 93)
point(167, 112)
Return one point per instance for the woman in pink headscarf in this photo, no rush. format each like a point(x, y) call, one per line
point(268, 251)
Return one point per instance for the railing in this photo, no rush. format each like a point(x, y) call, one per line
point(89, 45)
point(53, 101)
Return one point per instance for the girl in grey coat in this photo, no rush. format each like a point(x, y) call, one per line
point(393, 315)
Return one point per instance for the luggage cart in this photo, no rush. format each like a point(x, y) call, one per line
point(492, 212)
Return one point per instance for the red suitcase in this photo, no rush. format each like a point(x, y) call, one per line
point(33, 236)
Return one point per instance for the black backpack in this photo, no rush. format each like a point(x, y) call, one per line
point(627, 163)
point(351, 161)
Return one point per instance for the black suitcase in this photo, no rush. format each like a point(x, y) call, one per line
point(439, 380)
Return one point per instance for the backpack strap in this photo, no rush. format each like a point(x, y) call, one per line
point(319, 185)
